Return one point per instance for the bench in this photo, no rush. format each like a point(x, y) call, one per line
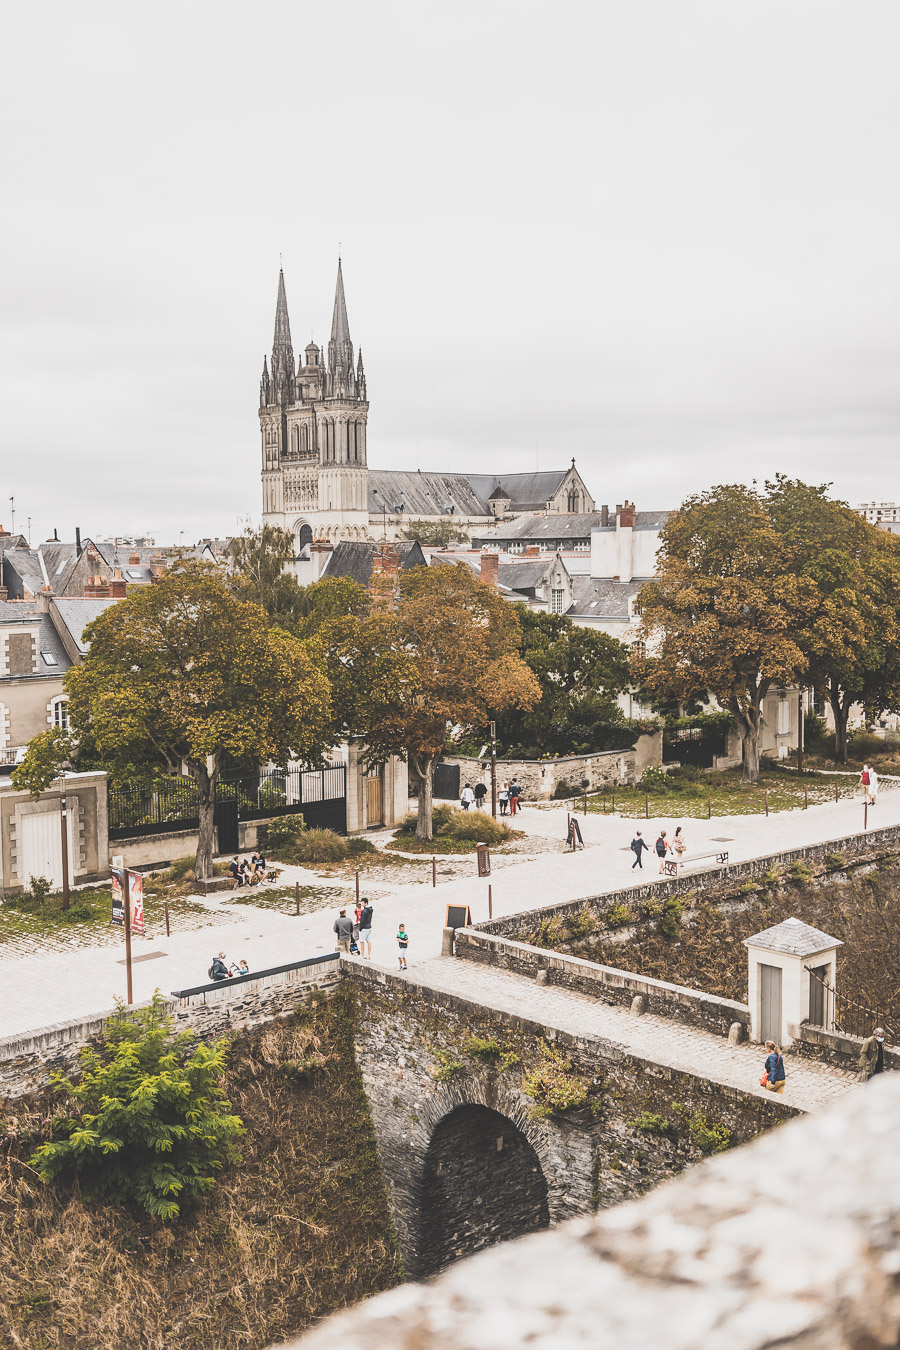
point(671, 865)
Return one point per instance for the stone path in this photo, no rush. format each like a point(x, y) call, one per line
point(55, 986)
point(809, 1086)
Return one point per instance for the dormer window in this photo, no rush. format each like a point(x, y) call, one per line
point(49, 659)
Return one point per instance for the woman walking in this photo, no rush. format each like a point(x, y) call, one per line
point(662, 848)
point(773, 1079)
point(679, 844)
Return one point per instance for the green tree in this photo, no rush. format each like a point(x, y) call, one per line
point(259, 562)
point(723, 612)
point(436, 533)
point(186, 672)
point(48, 755)
point(151, 1123)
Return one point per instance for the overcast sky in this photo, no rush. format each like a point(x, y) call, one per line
point(659, 237)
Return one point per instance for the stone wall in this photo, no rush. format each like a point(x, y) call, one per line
point(792, 1240)
point(159, 850)
point(539, 778)
point(27, 1060)
point(689, 1006)
point(836, 1047)
point(633, 1131)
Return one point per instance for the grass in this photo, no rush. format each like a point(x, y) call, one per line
point(695, 794)
point(90, 910)
point(299, 1229)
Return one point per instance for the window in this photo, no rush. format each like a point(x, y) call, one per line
point(557, 599)
point(134, 573)
point(60, 712)
point(49, 659)
point(784, 717)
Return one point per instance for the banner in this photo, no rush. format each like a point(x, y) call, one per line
point(135, 896)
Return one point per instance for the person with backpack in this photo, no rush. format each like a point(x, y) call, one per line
point(662, 848)
point(365, 930)
point(773, 1078)
point(638, 845)
point(218, 970)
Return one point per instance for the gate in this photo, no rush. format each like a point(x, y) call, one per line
point(446, 781)
point(374, 799)
point(226, 819)
point(42, 846)
point(770, 1003)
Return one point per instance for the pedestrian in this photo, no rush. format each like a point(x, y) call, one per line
point(503, 798)
point(480, 794)
point(243, 968)
point(638, 845)
point(873, 787)
point(467, 798)
point(679, 844)
point(773, 1076)
point(343, 927)
point(515, 793)
point(402, 943)
point(871, 1055)
point(365, 929)
point(662, 848)
point(218, 970)
point(864, 780)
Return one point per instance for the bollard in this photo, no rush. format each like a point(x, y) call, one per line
point(584, 795)
point(357, 885)
point(835, 790)
point(646, 807)
point(767, 801)
point(434, 870)
point(613, 807)
point(297, 894)
point(708, 804)
point(166, 908)
point(490, 904)
point(806, 799)
point(865, 815)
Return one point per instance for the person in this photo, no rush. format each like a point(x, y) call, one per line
point(258, 863)
point(246, 872)
point(343, 927)
point(515, 793)
point(774, 1075)
point(873, 787)
point(480, 794)
point(218, 970)
point(402, 943)
point(864, 780)
point(467, 798)
point(243, 968)
point(365, 930)
point(662, 848)
point(503, 798)
point(638, 845)
point(871, 1055)
point(679, 844)
point(234, 868)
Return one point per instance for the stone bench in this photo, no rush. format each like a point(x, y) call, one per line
point(671, 866)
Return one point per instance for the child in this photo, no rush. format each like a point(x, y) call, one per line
point(243, 968)
point(402, 943)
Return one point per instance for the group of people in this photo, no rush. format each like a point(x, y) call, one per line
point(221, 970)
point(508, 795)
point(354, 934)
point(871, 1062)
point(868, 781)
point(663, 847)
point(248, 873)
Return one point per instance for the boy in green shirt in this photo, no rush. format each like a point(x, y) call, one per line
point(403, 943)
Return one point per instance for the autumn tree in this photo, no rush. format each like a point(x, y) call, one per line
point(47, 757)
point(185, 672)
point(722, 614)
point(259, 572)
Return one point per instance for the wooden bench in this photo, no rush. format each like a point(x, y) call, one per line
point(671, 865)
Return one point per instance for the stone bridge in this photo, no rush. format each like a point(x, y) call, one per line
point(504, 1104)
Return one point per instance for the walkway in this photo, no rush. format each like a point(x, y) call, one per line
point(810, 1085)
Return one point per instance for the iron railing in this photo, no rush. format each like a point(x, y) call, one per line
point(843, 1014)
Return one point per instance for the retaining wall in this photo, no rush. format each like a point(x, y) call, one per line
point(27, 1060)
point(539, 778)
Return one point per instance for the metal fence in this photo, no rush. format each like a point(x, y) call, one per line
point(167, 805)
point(837, 1012)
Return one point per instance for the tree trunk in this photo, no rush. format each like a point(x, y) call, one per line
point(425, 770)
point(841, 712)
point(748, 726)
point(206, 784)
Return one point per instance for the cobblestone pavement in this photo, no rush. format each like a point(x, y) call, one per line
point(53, 986)
point(809, 1085)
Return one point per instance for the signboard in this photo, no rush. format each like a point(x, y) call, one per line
point(135, 895)
point(484, 860)
point(574, 835)
point(458, 916)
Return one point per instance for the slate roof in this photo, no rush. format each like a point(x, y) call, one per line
point(49, 640)
point(526, 491)
point(354, 559)
point(22, 572)
point(524, 576)
point(541, 528)
point(599, 598)
point(793, 937)
point(76, 614)
point(423, 494)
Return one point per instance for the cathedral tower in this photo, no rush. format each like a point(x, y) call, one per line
point(313, 426)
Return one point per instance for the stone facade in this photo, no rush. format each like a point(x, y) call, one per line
point(31, 834)
point(539, 778)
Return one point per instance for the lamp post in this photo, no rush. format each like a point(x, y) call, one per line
point(64, 831)
point(800, 732)
point(494, 769)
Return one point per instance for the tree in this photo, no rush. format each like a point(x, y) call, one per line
point(259, 559)
point(152, 1123)
point(185, 671)
point(47, 756)
point(580, 672)
point(723, 613)
point(450, 657)
point(436, 533)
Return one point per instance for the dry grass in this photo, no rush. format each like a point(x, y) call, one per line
point(299, 1229)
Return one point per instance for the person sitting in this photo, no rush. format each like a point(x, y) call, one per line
point(258, 864)
point(243, 968)
point(218, 970)
point(234, 868)
point(246, 872)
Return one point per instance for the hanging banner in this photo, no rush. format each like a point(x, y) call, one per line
point(135, 896)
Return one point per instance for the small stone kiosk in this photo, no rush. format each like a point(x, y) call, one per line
point(781, 991)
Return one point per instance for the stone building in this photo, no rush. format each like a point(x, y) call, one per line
point(316, 480)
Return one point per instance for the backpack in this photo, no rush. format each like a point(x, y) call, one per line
point(661, 847)
point(210, 973)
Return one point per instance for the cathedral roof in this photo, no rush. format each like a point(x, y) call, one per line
point(340, 328)
point(423, 494)
point(526, 491)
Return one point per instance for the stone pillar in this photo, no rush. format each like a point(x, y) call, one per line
point(780, 989)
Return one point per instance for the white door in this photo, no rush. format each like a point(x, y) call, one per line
point(42, 847)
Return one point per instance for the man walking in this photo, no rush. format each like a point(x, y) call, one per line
point(480, 794)
point(871, 1055)
point(365, 929)
point(343, 927)
point(515, 793)
point(638, 845)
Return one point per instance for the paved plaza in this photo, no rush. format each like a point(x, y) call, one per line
point(55, 986)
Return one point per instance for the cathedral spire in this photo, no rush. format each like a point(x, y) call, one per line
point(282, 351)
point(342, 380)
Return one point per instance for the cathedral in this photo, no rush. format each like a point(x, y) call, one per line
point(316, 481)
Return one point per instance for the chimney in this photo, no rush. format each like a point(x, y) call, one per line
point(96, 588)
point(118, 587)
point(533, 551)
point(490, 569)
point(626, 515)
point(618, 509)
point(321, 546)
point(4, 534)
point(77, 541)
point(4, 593)
point(134, 560)
point(386, 561)
point(604, 515)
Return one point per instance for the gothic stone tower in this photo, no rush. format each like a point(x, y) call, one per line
point(313, 425)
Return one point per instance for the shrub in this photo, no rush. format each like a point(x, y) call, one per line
point(271, 796)
point(799, 871)
point(553, 1086)
point(291, 843)
point(655, 780)
point(866, 745)
point(771, 877)
point(709, 1138)
point(747, 887)
point(80, 913)
point(582, 923)
point(357, 845)
point(446, 1068)
point(650, 1123)
point(449, 822)
point(618, 915)
point(835, 861)
point(151, 1123)
point(39, 890)
point(483, 1047)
